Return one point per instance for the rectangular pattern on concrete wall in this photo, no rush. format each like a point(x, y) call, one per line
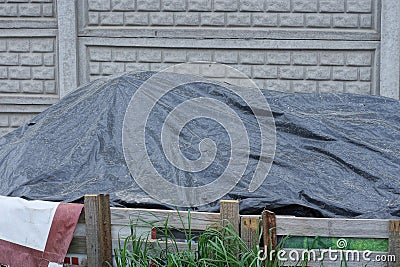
point(356, 17)
point(28, 60)
point(27, 8)
point(27, 65)
point(10, 121)
point(330, 40)
point(27, 14)
point(292, 70)
point(287, 45)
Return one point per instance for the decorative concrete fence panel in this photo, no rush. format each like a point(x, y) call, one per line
point(48, 47)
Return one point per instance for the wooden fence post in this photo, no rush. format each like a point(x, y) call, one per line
point(98, 230)
point(394, 241)
point(229, 212)
point(249, 230)
point(269, 232)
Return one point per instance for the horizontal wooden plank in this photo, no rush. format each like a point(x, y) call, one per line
point(259, 216)
point(171, 245)
point(199, 220)
point(80, 230)
point(78, 245)
point(123, 231)
point(328, 227)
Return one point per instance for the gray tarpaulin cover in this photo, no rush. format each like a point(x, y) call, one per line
point(337, 155)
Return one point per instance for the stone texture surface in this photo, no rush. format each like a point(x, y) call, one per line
point(27, 59)
point(30, 67)
point(328, 14)
point(10, 121)
point(27, 8)
point(284, 70)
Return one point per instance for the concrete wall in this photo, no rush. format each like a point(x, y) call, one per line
point(47, 49)
point(28, 60)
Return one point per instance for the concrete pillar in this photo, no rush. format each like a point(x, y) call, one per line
point(390, 49)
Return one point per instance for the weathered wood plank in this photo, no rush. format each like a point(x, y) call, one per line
point(394, 241)
point(78, 245)
point(181, 246)
point(98, 230)
point(229, 212)
point(250, 230)
point(80, 230)
point(82, 216)
point(105, 229)
point(92, 230)
point(269, 232)
point(123, 231)
point(286, 225)
point(328, 227)
point(199, 220)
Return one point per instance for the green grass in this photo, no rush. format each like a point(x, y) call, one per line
point(217, 246)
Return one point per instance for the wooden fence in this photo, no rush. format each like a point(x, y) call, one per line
point(377, 239)
point(100, 228)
